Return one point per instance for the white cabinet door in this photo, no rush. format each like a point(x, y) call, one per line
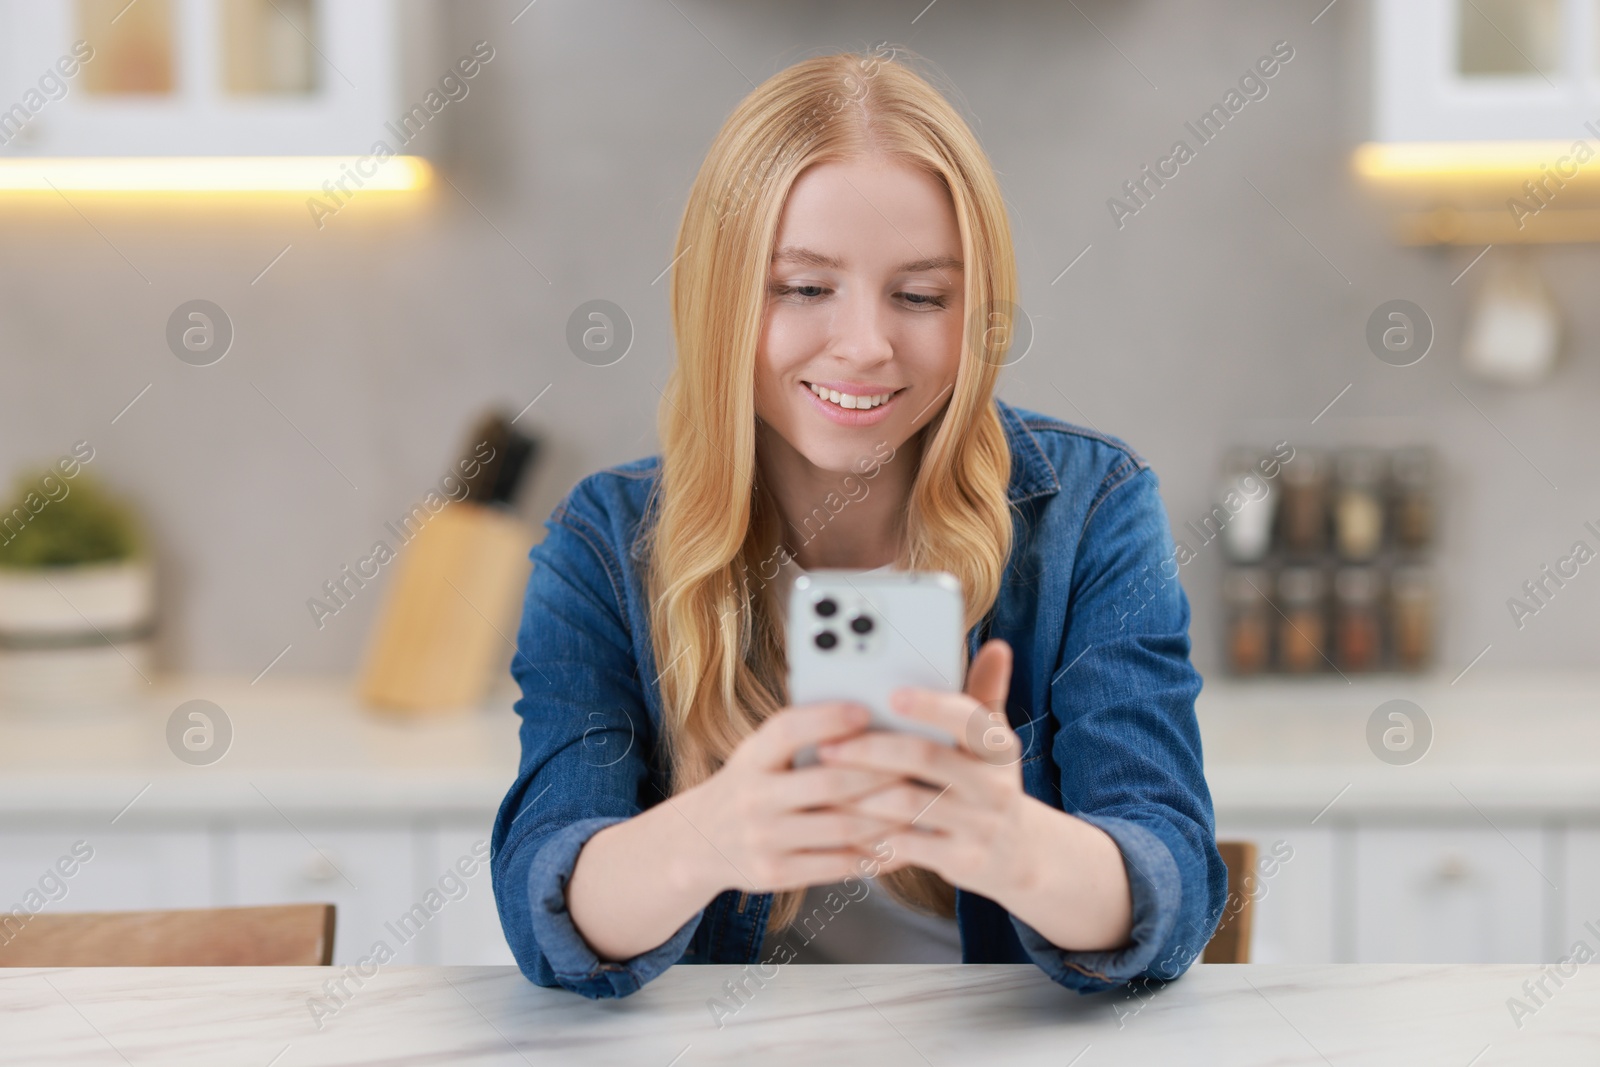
point(467, 931)
point(1580, 893)
point(351, 46)
point(1449, 894)
point(112, 869)
point(1292, 916)
point(367, 872)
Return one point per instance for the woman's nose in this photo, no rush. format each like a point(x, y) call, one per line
point(861, 330)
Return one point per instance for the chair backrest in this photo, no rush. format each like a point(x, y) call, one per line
point(295, 935)
point(1231, 942)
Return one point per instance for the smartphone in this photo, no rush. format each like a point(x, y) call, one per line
point(860, 635)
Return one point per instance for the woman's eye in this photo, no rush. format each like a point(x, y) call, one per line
point(804, 292)
point(810, 293)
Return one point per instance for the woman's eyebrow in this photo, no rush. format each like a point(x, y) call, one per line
point(807, 257)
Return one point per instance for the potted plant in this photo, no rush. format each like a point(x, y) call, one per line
point(77, 596)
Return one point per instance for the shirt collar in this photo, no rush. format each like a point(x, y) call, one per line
point(1032, 473)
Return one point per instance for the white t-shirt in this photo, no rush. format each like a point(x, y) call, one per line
point(858, 921)
point(869, 926)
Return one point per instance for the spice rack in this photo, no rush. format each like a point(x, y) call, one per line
point(1330, 562)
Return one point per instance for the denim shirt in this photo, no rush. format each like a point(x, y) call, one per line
point(1102, 697)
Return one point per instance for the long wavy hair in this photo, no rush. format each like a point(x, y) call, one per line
point(716, 634)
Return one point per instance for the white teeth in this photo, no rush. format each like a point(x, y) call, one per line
point(848, 401)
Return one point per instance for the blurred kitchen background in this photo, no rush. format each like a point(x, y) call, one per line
point(1246, 299)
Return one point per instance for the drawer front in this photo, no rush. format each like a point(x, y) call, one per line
point(1449, 895)
point(1579, 911)
point(111, 869)
point(368, 873)
point(467, 931)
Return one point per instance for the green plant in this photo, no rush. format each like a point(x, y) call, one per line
point(54, 522)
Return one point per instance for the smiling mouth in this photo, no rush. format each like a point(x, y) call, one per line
point(850, 401)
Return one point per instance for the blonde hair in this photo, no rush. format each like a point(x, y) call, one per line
point(717, 640)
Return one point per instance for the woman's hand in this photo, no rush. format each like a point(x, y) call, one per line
point(962, 812)
point(754, 812)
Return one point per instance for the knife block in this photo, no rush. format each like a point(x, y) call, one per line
point(450, 619)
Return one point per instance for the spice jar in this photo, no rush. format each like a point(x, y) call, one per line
point(1250, 502)
point(1302, 514)
point(1302, 626)
point(1358, 503)
point(1250, 615)
point(1356, 628)
point(1412, 611)
point(1414, 492)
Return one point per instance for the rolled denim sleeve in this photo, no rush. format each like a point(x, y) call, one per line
point(587, 743)
point(568, 958)
point(1127, 743)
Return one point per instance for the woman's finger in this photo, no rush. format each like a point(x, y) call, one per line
point(989, 676)
point(915, 848)
point(911, 805)
point(833, 828)
point(908, 755)
point(798, 870)
point(775, 742)
point(981, 729)
point(821, 786)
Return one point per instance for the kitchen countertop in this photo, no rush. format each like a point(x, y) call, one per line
point(1509, 743)
point(880, 1015)
point(306, 744)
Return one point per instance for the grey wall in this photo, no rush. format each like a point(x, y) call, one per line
point(1206, 321)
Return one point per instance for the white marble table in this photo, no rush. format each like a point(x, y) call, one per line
point(882, 1015)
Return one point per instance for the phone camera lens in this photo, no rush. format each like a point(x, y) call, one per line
point(827, 607)
point(826, 640)
point(861, 624)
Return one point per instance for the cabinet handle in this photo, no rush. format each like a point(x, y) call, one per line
point(1453, 869)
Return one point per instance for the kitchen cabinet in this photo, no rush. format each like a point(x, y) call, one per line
point(1442, 894)
point(317, 800)
point(370, 873)
point(201, 77)
point(1441, 860)
point(467, 930)
point(1372, 893)
point(1484, 70)
point(126, 869)
point(1417, 893)
point(1483, 118)
point(377, 875)
point(1486, 849)
point(1578, 912)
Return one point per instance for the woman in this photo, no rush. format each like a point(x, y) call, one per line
point(840, 297)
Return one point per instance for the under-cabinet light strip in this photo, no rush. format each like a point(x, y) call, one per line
point(1468, 160)
point(311, 175)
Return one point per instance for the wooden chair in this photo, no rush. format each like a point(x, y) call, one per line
point(291, 935)
point(1231, 942)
